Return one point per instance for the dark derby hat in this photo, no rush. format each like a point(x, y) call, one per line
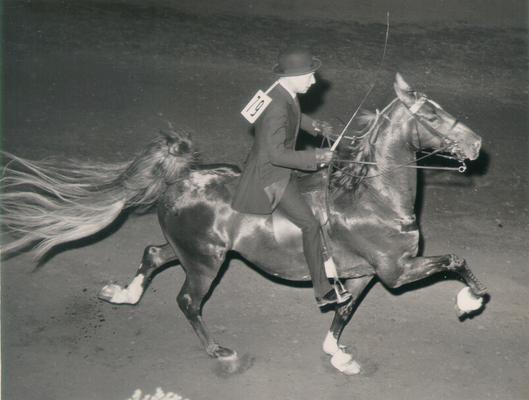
point(294, 62)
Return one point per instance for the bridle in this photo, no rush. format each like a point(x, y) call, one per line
point(415, 108)
point(413, 111)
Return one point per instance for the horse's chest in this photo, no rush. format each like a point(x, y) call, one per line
point(408, 230)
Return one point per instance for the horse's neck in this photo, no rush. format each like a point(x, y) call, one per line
point(386, 186)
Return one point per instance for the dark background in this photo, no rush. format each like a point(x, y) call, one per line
point(97, 80)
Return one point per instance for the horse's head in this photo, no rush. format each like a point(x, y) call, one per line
point(434, 127)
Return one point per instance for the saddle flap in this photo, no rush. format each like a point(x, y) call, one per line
point(311, 182)
point(288, 234)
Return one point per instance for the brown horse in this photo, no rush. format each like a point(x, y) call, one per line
point(368, 213)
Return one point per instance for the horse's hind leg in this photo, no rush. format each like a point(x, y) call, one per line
point(154, 257)
point(190, 300)
point(341, 360)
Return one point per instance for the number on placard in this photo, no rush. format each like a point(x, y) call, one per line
point(256, 106)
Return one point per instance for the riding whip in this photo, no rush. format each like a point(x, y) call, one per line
point(340, 137)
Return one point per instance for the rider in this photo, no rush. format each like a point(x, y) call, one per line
point(267, 182)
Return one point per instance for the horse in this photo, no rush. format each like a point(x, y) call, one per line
point(367, 213)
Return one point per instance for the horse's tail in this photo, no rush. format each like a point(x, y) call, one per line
point(50, 202)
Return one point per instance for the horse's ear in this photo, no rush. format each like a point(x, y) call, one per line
point(401, 83)
point(403, 90)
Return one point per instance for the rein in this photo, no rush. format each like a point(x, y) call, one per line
point(413, 111)
point(374, 130)
point(462, 168)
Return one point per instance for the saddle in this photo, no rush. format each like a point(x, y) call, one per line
point(286, 234)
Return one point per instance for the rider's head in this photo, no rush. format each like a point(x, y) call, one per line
point(296, 67)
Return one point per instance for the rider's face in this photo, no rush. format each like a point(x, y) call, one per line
point(302, 83)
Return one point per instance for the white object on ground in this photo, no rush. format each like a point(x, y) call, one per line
point(159, 395)
point(467, 302)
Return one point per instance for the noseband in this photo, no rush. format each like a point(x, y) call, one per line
point(414, 109)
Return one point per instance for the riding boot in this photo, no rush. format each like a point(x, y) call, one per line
point(331, 271)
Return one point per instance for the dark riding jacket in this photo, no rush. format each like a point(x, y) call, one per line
point(273, 157)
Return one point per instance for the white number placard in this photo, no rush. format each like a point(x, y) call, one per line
point(256, 106)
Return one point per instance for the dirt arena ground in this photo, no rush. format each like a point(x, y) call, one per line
point(97, 81)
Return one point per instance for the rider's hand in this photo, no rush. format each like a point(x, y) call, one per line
point(325, 129)
point(324, 156)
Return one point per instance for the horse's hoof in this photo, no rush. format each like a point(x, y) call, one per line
point(226, 355)
point(353, 368)
point(221, 353)
point(115, 294)
point(344, 363)
point(467, 302)
point(108, 292)
point(232, 364)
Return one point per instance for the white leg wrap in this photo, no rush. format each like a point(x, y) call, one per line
point(467, 302)
point(330, 344)
point(118, 295)
point(344, 363)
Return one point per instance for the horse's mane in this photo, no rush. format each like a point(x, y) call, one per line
point(352, 155)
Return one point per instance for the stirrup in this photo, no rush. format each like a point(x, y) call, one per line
point(341, 293)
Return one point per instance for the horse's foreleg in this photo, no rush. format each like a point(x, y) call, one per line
point(344, 313)
point(417, 268)
point(340, 359)
point(154, 257)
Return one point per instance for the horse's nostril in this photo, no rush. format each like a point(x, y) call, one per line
point(184, 147)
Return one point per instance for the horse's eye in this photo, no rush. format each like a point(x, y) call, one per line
point(432, 118)
point(431, 115)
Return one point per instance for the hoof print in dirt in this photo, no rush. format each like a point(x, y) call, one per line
point(225, 368)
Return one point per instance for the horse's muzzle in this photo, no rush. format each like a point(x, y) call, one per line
point(474, 150)
point(464, 151)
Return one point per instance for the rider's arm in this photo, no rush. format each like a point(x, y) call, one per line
point(307, 124)
point(316, 127)
point(274, 125)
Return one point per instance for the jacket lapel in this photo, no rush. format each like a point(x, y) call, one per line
point(295, 112)
point(298, 119)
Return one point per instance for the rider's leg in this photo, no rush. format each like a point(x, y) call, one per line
point(297, 210)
